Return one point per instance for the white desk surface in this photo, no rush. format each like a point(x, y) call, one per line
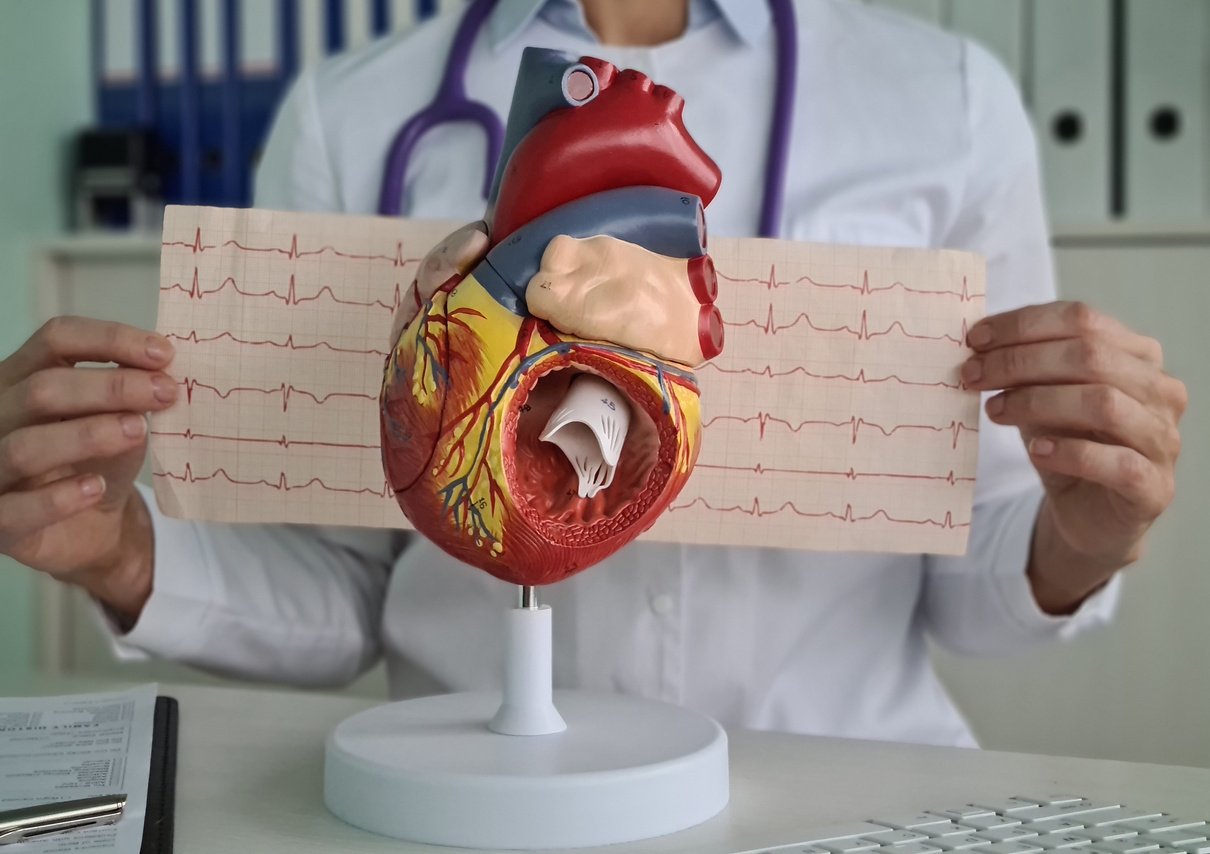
point(250, 765)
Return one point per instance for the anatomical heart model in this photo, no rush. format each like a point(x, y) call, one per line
point(539, 409)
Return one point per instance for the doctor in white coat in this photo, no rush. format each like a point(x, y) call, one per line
point(902, 135)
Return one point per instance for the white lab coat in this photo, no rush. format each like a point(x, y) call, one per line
point(902, 135)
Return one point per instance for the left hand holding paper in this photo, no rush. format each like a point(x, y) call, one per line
point(1100, 418)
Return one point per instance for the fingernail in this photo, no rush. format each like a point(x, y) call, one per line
point(972, 371)
point(995, 405)
point(133, 426)
point(158, 348)
point(980, 336)
point(93, 486)
point(1042, 447)
point(163, 388)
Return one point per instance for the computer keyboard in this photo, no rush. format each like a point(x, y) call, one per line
point(1017, 825)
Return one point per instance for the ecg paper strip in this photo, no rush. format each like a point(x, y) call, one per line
point(834, 418)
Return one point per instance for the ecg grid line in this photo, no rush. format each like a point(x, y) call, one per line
point(834, 418)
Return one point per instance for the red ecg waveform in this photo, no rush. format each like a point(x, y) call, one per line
point(772, 283)
point(292, 251)
point(291, 298)
point(854, 424)
point(281, 442)
point(286, 390)
point(860, 378)
point(193, 338)
point(756, 511)
point(282, 484)
point(850, 474)
point(862, 333)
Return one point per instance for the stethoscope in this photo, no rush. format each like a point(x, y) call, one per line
point(451, 104)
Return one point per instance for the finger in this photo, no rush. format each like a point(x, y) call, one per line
point(1122, 470)
point(70, 392)
point(1101, 412)
point(1070, 361)
point(24, 513)
point(68, 340)
point(33, 452)
point(1055, 321)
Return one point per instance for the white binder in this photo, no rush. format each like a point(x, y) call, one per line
point(1070, 100)
point(119, 40)
point(929, 10)
point(1167, 144)
point(998, 25)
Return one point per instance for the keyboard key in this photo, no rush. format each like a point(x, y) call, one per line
point(968, 811)
point(959, 843)
point(1133, 845)
point(1007, 806)
point(914, 848)
point(912, 822)
point(1005, 834)
point(896, 837)
point(1163, 824)
point(841, 831)
point(848, 846)
point(988, 822)
point(1074, 808)
point(1192, 848)
point(1050, 800)
point(1055, 825)
point(1026, 847)
point(1060, 841)
point(1181, 838)
point(946, 828)
point(1105, 834)
point(1120, 815)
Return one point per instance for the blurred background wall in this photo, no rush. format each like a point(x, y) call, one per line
point(45, 95)
point(1120, 94)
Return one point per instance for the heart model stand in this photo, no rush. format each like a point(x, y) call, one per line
point(534, 769)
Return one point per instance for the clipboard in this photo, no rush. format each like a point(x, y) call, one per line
point(161, 779)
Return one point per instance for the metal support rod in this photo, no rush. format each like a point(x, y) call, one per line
point(528, 597)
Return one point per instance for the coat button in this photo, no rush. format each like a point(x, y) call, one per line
point(662, 604)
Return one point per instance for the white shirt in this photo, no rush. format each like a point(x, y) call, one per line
point(902, 135)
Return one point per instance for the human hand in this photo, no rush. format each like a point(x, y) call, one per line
point(72, 441)
point(1099, 417)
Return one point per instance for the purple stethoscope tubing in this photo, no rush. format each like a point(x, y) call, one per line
point(451, 104)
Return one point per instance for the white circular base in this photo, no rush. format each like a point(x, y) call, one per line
point(429, 770)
